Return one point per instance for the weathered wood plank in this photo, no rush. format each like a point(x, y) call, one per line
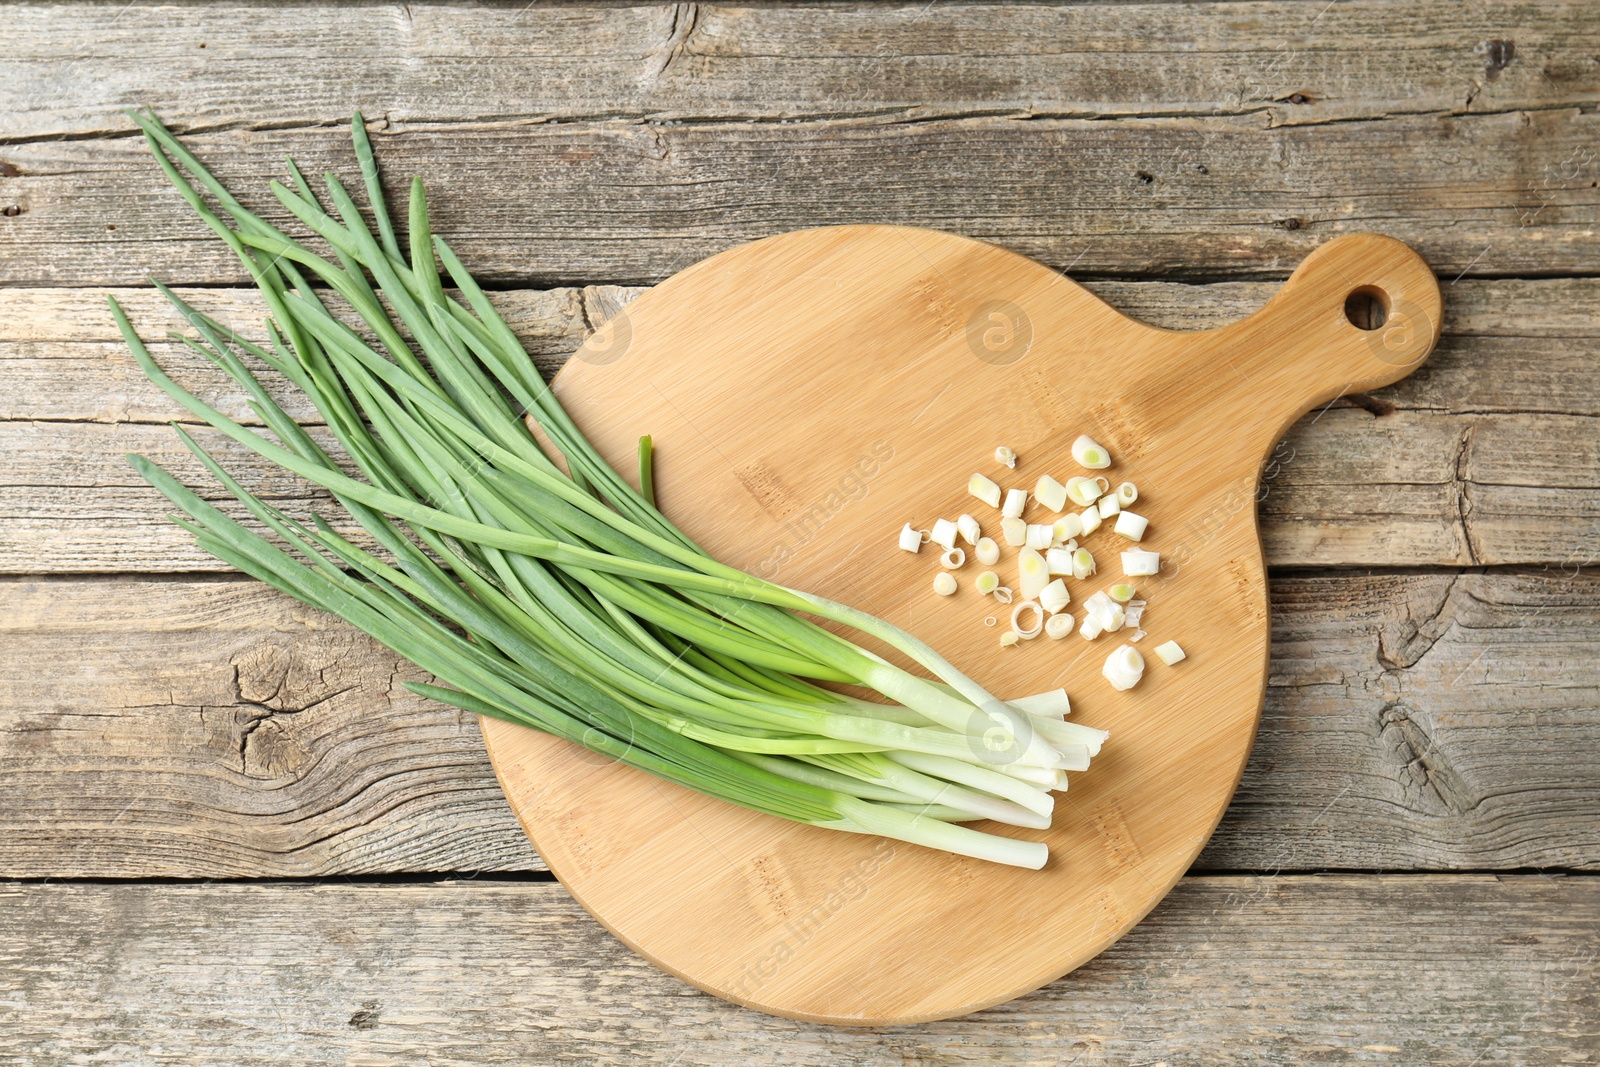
point(62, 359)
point(1392, 701)
point(1345, 488)
point(618, 202)
point(217, 729)
point(65, 74)
point(1250, 970)
point(1509, 345)
point(210, 728)
point(1490, 457)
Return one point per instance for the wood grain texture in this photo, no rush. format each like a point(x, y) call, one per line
point(1494, 671)
point(1402, 691)
point(1256, 971)
point(61, 358)
point(1487, 458)
point(1283, 63)
point(1351, 490)
point(808, 385)
point(1412, 722)
point(621, 202)
point(218, 729)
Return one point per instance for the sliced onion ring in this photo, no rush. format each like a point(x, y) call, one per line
point(1037, 628)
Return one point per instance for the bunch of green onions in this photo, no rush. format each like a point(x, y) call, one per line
point(556, 595)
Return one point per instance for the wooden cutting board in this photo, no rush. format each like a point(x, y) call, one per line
point(811, 392)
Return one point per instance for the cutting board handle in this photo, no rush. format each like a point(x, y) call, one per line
point(1360, 312)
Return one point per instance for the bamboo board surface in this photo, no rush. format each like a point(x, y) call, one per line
point(811, 392)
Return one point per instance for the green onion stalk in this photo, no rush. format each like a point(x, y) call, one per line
point(555, 594)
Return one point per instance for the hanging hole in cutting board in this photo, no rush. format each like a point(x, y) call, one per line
point(1367, 307)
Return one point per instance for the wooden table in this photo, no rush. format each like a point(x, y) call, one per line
point(228, 835)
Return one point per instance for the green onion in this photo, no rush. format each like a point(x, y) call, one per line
point(1169, 652)
point(555, 594)
point(647, 476)
point(1089, 454)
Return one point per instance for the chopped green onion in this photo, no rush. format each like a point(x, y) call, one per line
point(1051, 493)
point(1032, 573)
point(1169, 653)
point(1027, 633)
point(1066, 528)
point(1131, 526)
point(984, 489)
point(1109, 614)
point(1134, 611)
point(647, 479)
point(1089, 454)
point(1083, 490)
point(910, 539)
point(1137, 562)
point(1123, 668)
point(1054, 596)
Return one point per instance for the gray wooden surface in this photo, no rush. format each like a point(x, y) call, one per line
point(1242, 970)
point(228, 835)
